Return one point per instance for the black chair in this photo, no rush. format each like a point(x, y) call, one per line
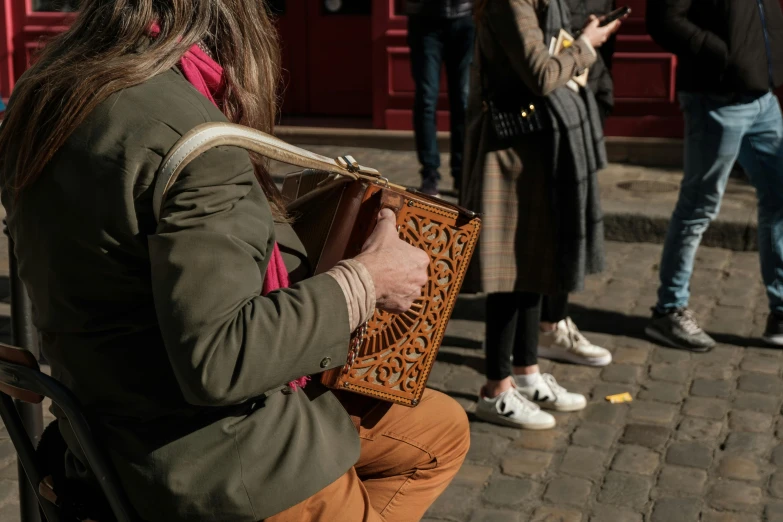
point(21, 379)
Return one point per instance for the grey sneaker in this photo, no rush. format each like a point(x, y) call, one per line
point(679, 329)
point(774, 332)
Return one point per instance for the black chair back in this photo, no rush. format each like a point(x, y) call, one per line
point(22, 379)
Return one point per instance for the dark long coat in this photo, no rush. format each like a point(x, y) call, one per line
point(511, 186)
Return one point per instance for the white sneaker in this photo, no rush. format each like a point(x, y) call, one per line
point(550, 395)
point(566, 343)
point(512, 409)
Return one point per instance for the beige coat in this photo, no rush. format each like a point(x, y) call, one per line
point(510, 186)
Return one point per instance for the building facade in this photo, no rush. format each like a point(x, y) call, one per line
point(349, 59)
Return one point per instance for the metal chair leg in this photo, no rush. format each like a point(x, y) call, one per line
point(24, 335)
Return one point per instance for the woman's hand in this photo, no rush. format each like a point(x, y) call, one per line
point(398, 269)
point(597, 36)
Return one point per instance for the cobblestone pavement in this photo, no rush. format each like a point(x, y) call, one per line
point(700, 442)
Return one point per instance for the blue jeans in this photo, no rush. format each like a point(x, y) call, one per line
point(433, 42)
point(718, 132)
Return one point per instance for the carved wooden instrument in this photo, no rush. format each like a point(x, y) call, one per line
point(334, 205)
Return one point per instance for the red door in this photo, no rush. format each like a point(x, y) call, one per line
point(340, 57)
point(644, 83)
point(26, 24)
point(645, 91)
point(327, 57)
point(292, 25)
point(326, 50)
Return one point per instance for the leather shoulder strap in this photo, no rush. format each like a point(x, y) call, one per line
point(210, 135)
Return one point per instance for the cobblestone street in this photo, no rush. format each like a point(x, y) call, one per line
point(700, 442)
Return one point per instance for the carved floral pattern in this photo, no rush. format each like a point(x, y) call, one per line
point(397, 348)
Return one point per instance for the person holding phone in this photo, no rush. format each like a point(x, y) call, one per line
point(599, 79)
point(542, 230)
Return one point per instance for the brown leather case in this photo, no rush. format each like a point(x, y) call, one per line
point(392, 360)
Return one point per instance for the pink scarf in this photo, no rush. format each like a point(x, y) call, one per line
point(206, 75)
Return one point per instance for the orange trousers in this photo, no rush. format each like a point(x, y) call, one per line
point(408, 458)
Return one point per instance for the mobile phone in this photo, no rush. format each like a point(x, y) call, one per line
point(617, 14)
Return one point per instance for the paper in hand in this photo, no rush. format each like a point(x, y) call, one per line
point(564, 41)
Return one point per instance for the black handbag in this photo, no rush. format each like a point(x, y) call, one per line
point(518, 119)
point(513, 114)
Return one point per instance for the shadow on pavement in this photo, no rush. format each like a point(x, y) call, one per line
point(470, 307)
point(472, 397)
point(471, 361)
point(462, 342)
point(614, 323)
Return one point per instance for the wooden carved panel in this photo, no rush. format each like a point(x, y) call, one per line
point(394, 354)
point(398, 350)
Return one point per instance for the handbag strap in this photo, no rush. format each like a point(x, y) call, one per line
point(210, 135)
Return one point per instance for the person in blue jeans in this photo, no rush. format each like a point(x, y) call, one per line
point(439, 32)
point(730, 59)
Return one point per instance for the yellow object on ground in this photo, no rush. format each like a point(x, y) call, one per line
point(620, 397)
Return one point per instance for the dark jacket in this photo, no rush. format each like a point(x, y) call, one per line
point(722, 46)
point(439, 8)
point(160, 329)
point(600, 77)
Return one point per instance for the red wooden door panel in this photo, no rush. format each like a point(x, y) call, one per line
point(644, 77)
point(644, 82)
point(339, 54)
point(26, 24)
point(292, 25)
point(326, 57)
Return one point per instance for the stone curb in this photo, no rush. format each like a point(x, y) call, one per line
point(640, 228)
point(649, 152)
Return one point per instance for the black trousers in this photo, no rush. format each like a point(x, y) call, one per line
point(513, 322)
point(434, 42)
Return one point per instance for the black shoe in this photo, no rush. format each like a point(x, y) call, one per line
point(774, 332)
point(429, 181)
point(429, 187)
point(679, 329)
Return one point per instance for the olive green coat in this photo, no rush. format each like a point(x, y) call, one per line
point(160, 329)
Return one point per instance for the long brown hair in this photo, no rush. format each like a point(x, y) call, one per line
point(108, 49)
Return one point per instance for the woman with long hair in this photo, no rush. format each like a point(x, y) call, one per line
point(534, 147)
point(184, 338)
